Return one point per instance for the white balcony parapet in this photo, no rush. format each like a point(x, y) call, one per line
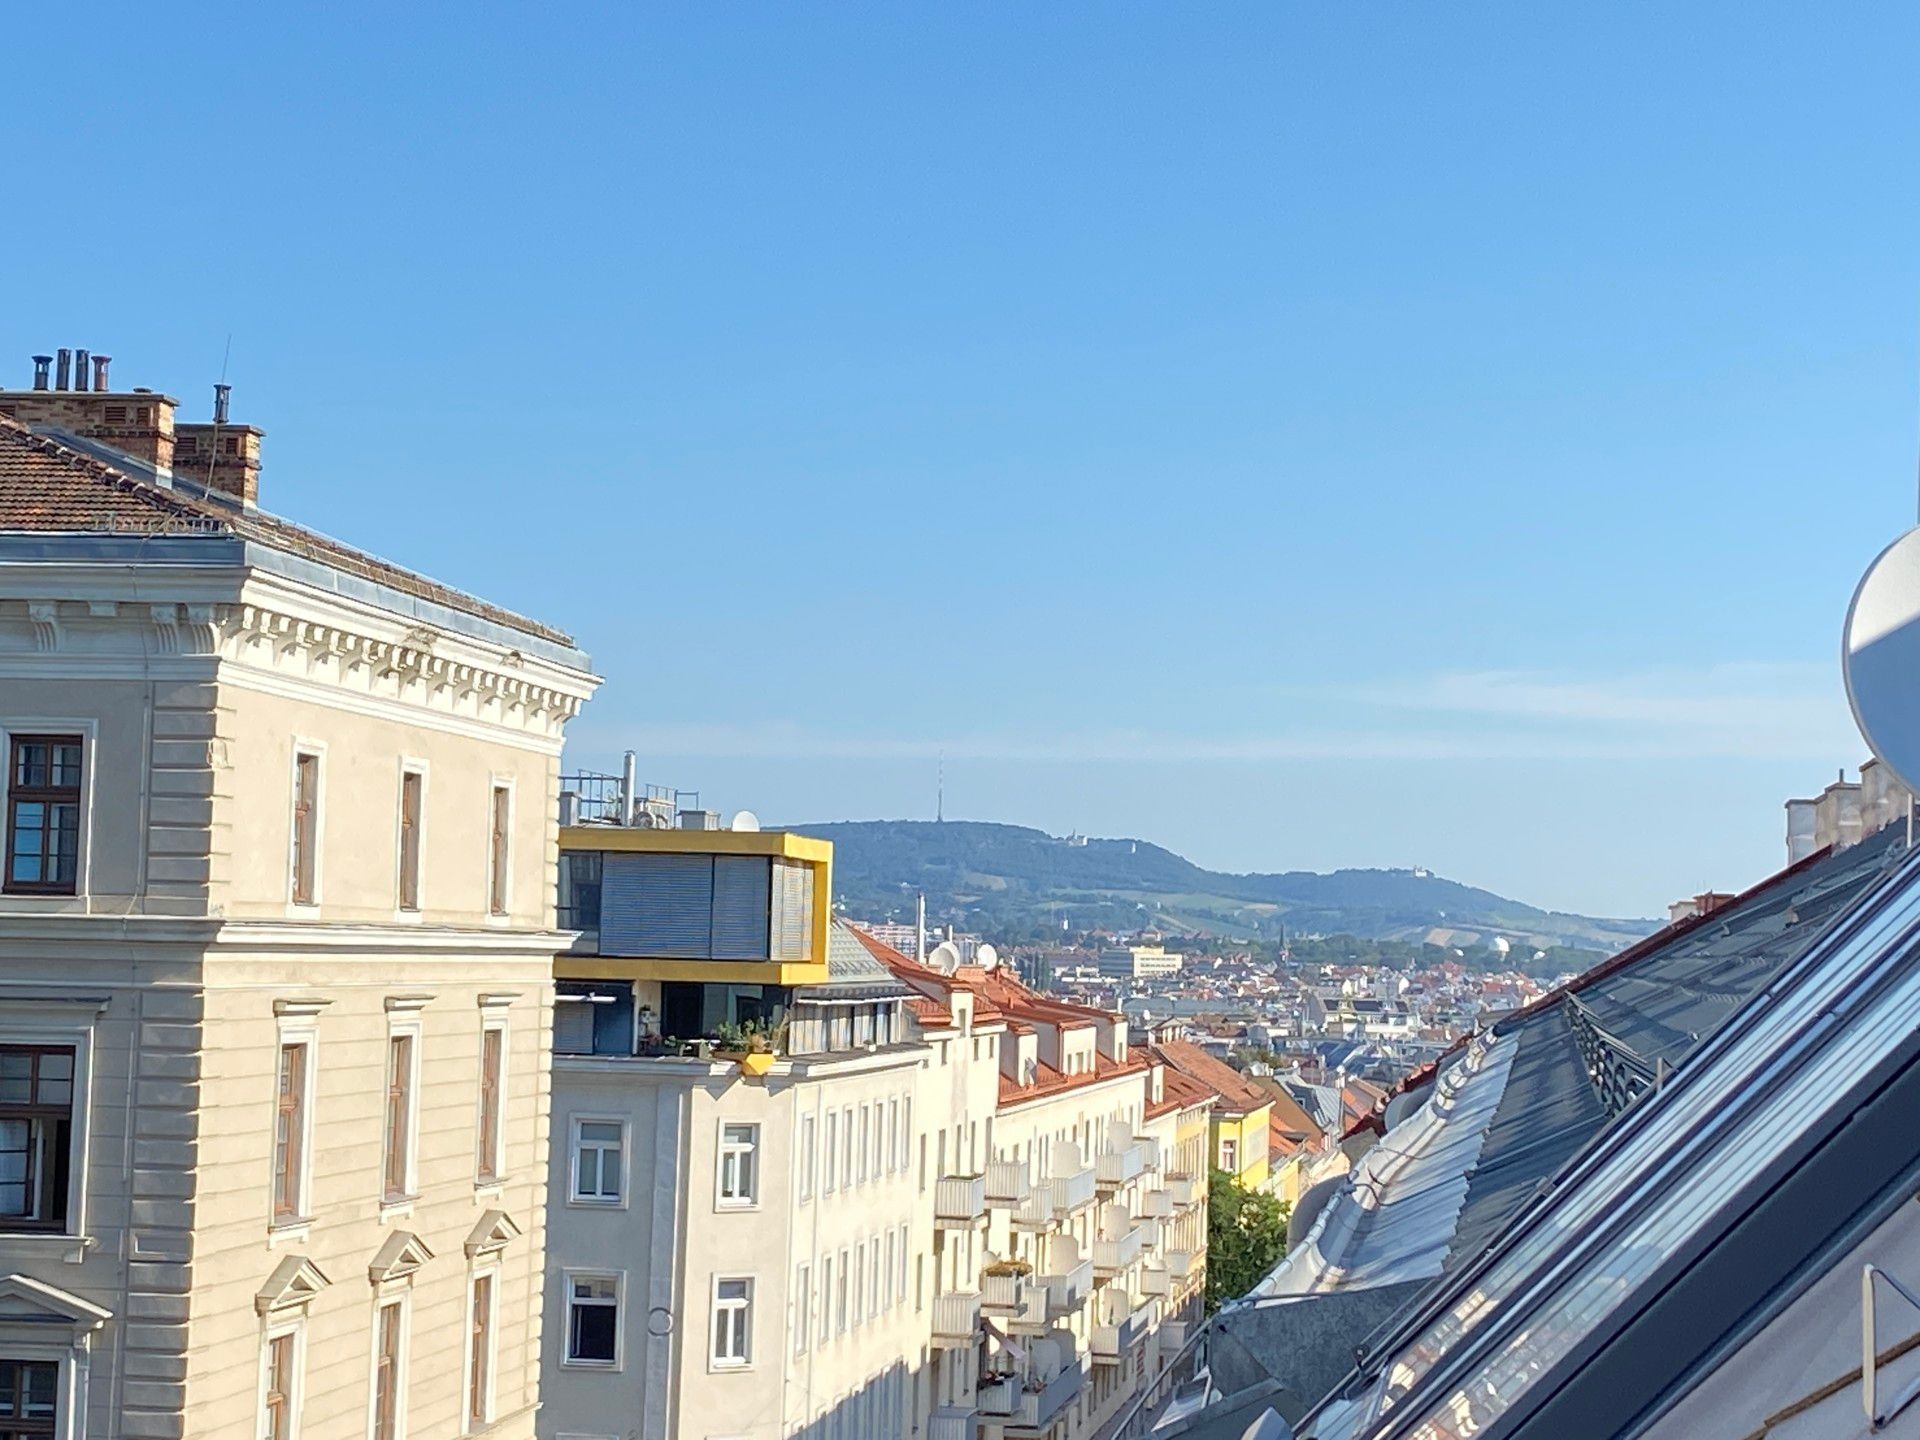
point(1173, 1337)
point(1071, 1192)
point(998, 1396)
point(1155, 1281)
point(952, 1422)
point(1039, 1403)
point(1125, 1325)
point(1115, 1253)
point(1185, 1190)
point(959, 1201)
point(1068, 1289)
point(1019, 1300)
point(1126, 1160)
point(1180, 1263)
point(1156, 1205)
point(1008, 1185)
point(956, 1318)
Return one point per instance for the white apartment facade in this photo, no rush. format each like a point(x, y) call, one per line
point(276, 907)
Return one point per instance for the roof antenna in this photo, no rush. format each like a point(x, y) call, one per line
point(221, 391)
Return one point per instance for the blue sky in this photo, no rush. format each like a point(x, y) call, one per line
point(1304, 436)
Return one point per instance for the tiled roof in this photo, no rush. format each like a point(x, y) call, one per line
point(1289, 1118)
point(1238, 1095)
point(1049, 1081)
point(48, 486)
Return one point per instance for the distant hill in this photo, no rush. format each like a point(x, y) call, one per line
point(1012, 880)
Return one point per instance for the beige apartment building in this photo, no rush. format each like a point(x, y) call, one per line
point(277, 921)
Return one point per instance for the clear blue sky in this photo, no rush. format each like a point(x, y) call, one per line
point(1304, 435)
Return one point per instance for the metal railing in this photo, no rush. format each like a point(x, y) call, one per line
point(1008, 1187)
point(956, 1317)
point(960, 1200)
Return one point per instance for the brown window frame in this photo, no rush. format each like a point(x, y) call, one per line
point(290, 1130)
point(388, 1322)
point(396, 1161)
point(306, 826)
point(15, 1422)
point(47, 795)
point(480, 1350)
point(499, 846)
point(493, 1058)
point(277, 1404)
point(413, 786)
point(49, 1149)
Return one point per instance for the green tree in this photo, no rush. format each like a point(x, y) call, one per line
point(1246, 1237)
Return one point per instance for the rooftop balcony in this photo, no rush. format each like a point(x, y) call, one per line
point(1185, 1190)
point(960, 1201)
point(952, 1422)
point(956, 1318)
point(1037, 1404)
point(1008, 1187)
point(1124, 1326)
point(1119, 1250)
point(1018, 1300)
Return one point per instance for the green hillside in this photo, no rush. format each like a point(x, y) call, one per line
point(1016, 882)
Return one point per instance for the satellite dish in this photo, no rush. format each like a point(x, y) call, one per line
point(985, 956)
point(744, 820)
point(1880, 657)
point(944, 957)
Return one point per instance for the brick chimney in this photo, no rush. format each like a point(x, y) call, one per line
point(222, 457)
point(134, 422)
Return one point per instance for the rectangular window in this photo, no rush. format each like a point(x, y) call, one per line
point(290, 1132)
point(806, 1158)
point(36, 1135)
point(802, 1307)
point(739, 1182)
point(886, 1292)
point(43, 815)
point(873, 1276)
point(306, 825)
point(29, 1399)
point(398, 1176)
point(846, 1147)
point(859, 1286)
point(493, 1044)
point(412, 786)
point(279, 1404)
point(906, 1132)
point(1230, 1156)
point(497, 848)
point(890, 1142)
point(840, 1295)
point(732, 1323)
point(593, 1320)
point(866, 1133)
point(386, 1372)
point(480, 1353)
point(902, 1277)
point(826, 1297)
point(597, 1156)
point(833, 1152)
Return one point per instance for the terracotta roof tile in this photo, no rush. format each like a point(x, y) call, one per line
point(1238, 1096)
point(51, 488)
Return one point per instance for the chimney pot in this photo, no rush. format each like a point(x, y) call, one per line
point(40, 365)
point(79, 369)
point(100, 363)
point(60, 381)
point(220, 394)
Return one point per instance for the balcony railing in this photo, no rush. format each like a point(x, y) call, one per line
point(956, 1317)
point(1018, 1300)
point(1036, 1409)
point(959, 1201)
point(1115, 1253)
point(1125, 1325)
point(1156, 1205)
point(998, 1396)
point(1127, 1160)
point(1068, 1289)
point(1008, 1187)
point(1180, 1263)
point(1155, 1281)
point(1173, 1336)
point(1071, 1192)
point(951, 1422)
point(1185, 1190)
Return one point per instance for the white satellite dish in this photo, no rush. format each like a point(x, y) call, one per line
point(744, 820)
point(944, 957)
point(1880, 657)
point(985, 956)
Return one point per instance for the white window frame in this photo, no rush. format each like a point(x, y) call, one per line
point(802, 1325)
point(865, 1143)
point(859, 1285)
point(403, 1019)
point(401, 1294)
point(493, 1016)
point(505, 914)
point(298, 1026)
point(1230, 1154)
point(619, 1279)
point(830, 1164)
point(489, 1270)
point(842, 1279)
point(725, 1149)
point(277, 1328)
point(318, 750)
point(410, 765)
point(89, 733)
point(715, 1362)
point(890, 1142)
point(574, 1148)
point(804, 1145)
point(68, 1022)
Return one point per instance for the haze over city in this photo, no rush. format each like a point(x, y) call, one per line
point(1302, 437)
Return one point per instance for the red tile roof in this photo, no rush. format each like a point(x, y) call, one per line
point(1238, 1095)
point(49, 487)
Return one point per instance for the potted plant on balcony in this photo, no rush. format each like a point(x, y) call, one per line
point(751, 1045)
point(1015, 1266)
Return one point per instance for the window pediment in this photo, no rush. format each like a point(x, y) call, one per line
point(24, 1300)
point(403, 1253)
point(293, 1284)
point(491, 1235)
